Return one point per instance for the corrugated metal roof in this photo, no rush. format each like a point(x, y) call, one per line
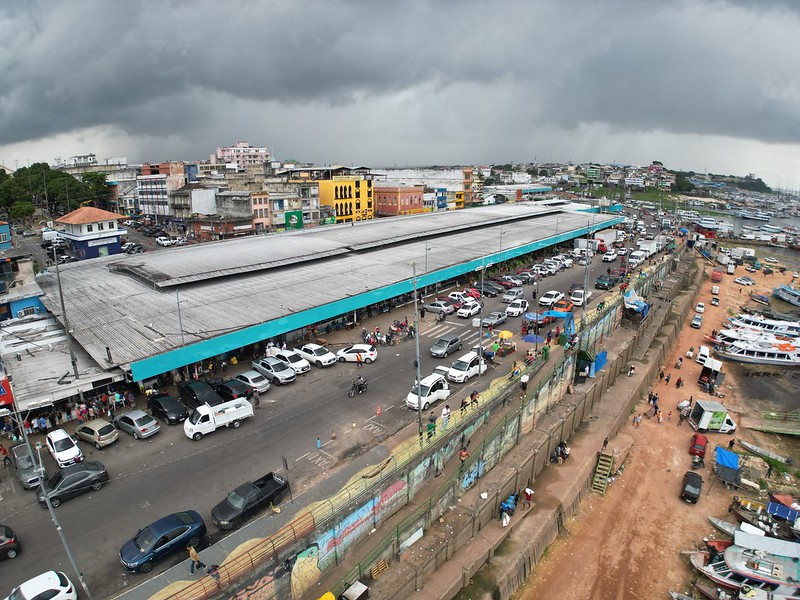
point(129, 303)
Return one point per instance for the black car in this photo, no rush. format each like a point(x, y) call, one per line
point(167, 408)
point(9, 542)
point(573, 288)
point(195, 393)
point(233, 389)
point(167, 536)
point(73, 481)
point(692, 486)
point(487, 289)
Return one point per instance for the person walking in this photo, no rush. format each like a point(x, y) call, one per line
point(464, 405)
point(527, 495)
point(256, 399)
point(523, 383)
point(213, 572)
point(194, 559)
point(731, 444)
point(445, 416)
point(473, 399)
point(679, 382)
point(661, 375)
point(605, 444)
point(4, 453)
point(422, 313)
point(549, 337)
point(43, 425)
point(667, 378)
point(431, 425)
point(359, 361)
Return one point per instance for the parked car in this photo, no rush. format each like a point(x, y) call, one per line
point(73, 481)
point(440, 306)
point(697, 321)
point(563, 305)
point(550, 297)
point(514, 280)
point(276, 371)
point(63, 448)
point(350, 353)
point(470, 309)
point(247, 499)
point(715, 301)
point(501, 282)
point(168, 408)
point(26, 465)
point(512, 295)
point(473, 292)
point(700, 308)
point(469, 365)
point(9, 542)
point(517, 307)
point(446, 345)
point(317, 355)
point(53, 585)
point(233, 389)
point(698, 445)
point(292, 359)
point(573, 287)
point(255, 380)
point(578, 297)
point(195, 393)
point(164, 241)
point(610, 256)
point(138, 423)
point(692, 487)
point(493, 319)
point(430, 390)
point(98, 432)
point(487, 290)
point(457, 298)
point(169, 535)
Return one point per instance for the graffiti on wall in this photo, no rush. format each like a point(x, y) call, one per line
point(419, 475)
point(305, 571)
point(270, 586)
point(474, 473)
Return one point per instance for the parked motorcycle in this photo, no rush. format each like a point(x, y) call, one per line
point(698, 463)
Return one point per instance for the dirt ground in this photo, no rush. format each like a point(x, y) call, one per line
point(628, 544)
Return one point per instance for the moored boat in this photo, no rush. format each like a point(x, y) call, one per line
point(724, 526)
point(763, 566)
point(761, 353)
point(778, 327)
point(718, 571)
point(714, 593)
point(764, 453)
point(788, 294)
point(760, 299)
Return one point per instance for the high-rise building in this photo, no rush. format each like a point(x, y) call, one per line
point(242, 154)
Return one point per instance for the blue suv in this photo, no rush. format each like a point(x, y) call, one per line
point(174, 533)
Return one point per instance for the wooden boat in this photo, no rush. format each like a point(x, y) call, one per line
point(764, 453)
point(763, 566)
point(788, 501)
point(679, 596)
point(725, 527)
point(713, 592)
point(718, 571)
point(760, 299)
point(779, 593)
point(717, 546)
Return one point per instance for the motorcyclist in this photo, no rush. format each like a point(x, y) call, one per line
point(360, 383)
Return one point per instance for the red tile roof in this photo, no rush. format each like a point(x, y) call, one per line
point(89, 214)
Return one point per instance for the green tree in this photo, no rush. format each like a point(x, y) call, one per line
point(682, 184)
point(22, 209)
point(97, 188)
point(533, 172)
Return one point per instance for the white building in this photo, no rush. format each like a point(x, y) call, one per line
point(243, 155)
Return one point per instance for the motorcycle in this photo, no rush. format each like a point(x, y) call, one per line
point(698, 463)
point(357, 388)
point(440, 317)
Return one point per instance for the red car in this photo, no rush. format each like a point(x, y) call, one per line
point(698, 445)
point(503, 282)
point(455, 304)
point(473, 293)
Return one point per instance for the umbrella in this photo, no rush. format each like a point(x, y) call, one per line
point(535, 317)
point(532, 338)
point(505, 335)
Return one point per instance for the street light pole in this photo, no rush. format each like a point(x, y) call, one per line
point(416, 357)
point(480, 322)
point(66, 320)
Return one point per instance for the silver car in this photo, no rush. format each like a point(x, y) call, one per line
point(255, 380)
point(138, 423)
point(27, 467)
point(276, 371)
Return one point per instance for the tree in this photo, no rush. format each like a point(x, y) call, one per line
point(682, 184)
point(22, 209)
point(97, 189)
point(533, 172)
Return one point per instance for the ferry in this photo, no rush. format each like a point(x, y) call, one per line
point(788, 294)
point(753, 215)
point(787, 328)
point(746, 334)
point(761, 353)
point(772, 229)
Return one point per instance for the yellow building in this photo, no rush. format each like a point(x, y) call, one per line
point(350, 196)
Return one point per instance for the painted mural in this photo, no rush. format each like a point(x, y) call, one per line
point(474, 473)
point(305, 571)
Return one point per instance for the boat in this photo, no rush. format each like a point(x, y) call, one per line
point(749, 334)
point(679, 596)
point(718, 571)
point(772, 229)
point(761, 353)
point(714, 593)
point(788, 294)
point(788, 501)
point(759, 516)
point(764, 453)
point(779, 593)
point(717, 545)
point(724, 526)
point(763, 566)
point(760, 299)
point(778, 327)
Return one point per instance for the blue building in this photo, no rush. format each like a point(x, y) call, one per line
point(5, 236)
point(92, 232)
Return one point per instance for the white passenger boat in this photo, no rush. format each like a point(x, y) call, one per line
point(761, 353)
point(777, 327)
point(788, 294)
point(746, 334)
point(771, 229)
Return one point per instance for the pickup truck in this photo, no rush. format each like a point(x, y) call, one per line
point(248, 499)
point(317, 355)
point(605, 282)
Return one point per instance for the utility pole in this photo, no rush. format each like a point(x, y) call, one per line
point(416, 359)
point(72, 358)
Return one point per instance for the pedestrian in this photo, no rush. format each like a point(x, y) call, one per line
point(633, 421)
point(605, 444)
point(527, 495)
point(43, 424)
point(523, 383)
point(422, 313)
point(669, 416)
point(4, 453)
point(680, 418)
point(319, 444)
point(464, 405)
point(667, 378)
point(445, 416)
point(359, 363)
point(549, 337)
point(731, 444)
point(195, 560)
point(224, 366)
point(431, 427)
point(256, 398)
point(473, 399)
point(660, 417)
point(661, 375)
point(769, 471)
point(558, 331)
point(513, 371)
point(631, 371)
point(638, 420)
point(463, 455)
point(213, 572)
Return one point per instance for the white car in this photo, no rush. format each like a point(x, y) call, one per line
point(579, 296)
point(255, 380)
point(470, 309)
point(568, 262)
point(550, 297)
point(517, 307)
point(610, 256)
point(163, 241)
point(465, 367)
point(350, 353)
point(431, 389)
point(771, 259)
point(293, 360)
point(744, 281)
point(317, 355)
point(53, 585)
point(700, 308)
point(127, 246)
point(622, 251)
point(63, 448)
point(459, 297)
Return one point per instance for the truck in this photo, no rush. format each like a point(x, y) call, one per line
point(707, 415)
point(206, 419)
point(48, 235)
point(609, 236)
point(605, 282)
point(723, 259)
point(649, 247)
point(248, 498)
point(742, 252)
point(636, 258)
point(716, 275)
point(584, 244)
point(711, 374)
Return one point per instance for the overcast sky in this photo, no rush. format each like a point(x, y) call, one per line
point(699, 85)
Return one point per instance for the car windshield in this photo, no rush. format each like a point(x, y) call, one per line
point(441, 344)
point(194, 417)
point(63, 444)
point(106, 430)
point(460, 365)
point(282, 368)
point(144, 539)
point(692, 488)
point(293, 358)
point(320, 352)
point(25, 462)
point(236, 501)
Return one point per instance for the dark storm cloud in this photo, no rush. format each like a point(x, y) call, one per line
point(464, 70)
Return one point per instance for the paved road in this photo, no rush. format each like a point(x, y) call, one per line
point(168, 472)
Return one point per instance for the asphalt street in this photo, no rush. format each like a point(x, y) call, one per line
point(169, 472)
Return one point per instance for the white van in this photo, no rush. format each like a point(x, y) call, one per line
point(465, 367)
point(702, 355)
point(636, 258)
point(731, 268)
point(715, 290)
point(207, 419)
point(431, 389)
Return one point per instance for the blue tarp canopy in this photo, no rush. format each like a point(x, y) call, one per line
point(726, 458)
point(569, 320)
point(782, 512)
point(635, 301)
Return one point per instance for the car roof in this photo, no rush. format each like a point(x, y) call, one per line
point(40, 583)
point(96, 423)
point(449, 337)
point(468, 356)
point(165, 524)
point(134, 414)
point(431, 379)
point(57, 434)
point(250, 374)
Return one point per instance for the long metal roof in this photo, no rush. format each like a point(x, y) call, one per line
point(127, 305)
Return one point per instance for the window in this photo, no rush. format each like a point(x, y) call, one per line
point(3, 237)
point(112, 224)
point(89, 228)
point(99, 227)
